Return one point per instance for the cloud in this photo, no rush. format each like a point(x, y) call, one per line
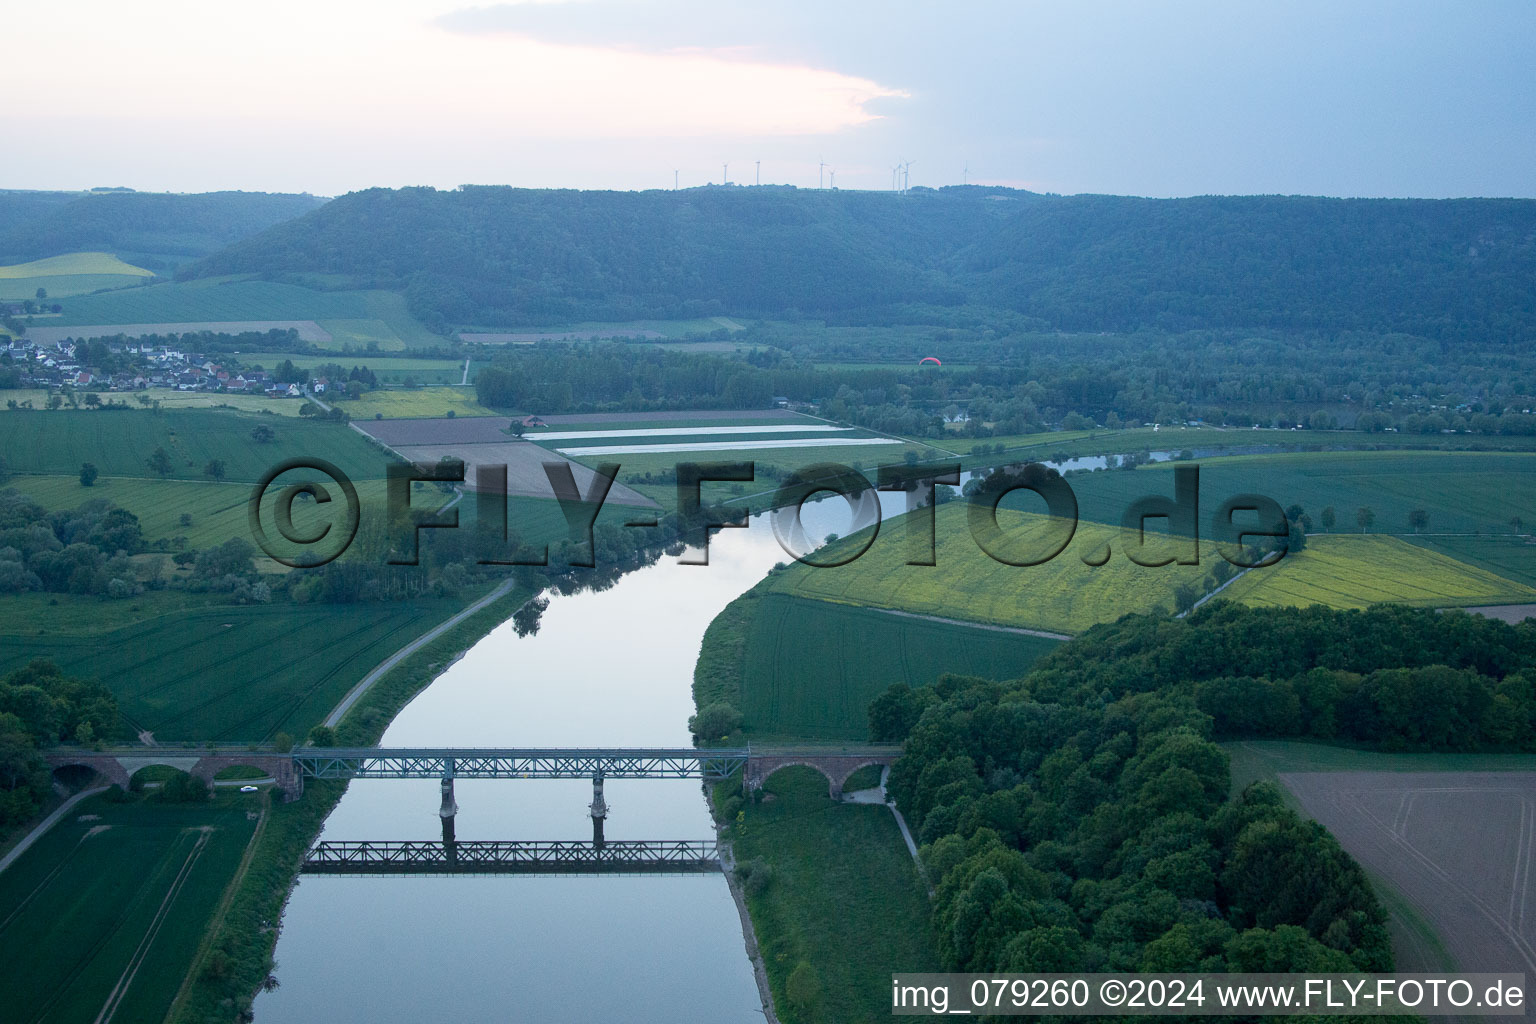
point(401, 68)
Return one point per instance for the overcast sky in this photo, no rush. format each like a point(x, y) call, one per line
point(1161, 99)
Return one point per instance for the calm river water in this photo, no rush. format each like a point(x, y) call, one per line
point(605, 668)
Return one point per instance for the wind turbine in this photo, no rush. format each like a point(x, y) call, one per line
point(757, 176)
point(725, 173)
point(832, 183)
point(894, 171)
point(965, 175)
point(674, 179)
point(821, 171)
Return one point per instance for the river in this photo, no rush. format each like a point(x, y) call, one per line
point(612, 667)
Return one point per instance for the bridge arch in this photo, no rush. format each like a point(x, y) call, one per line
point(836, 769)
point(108, 769)
point(120, 767)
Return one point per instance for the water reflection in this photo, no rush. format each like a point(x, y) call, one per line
point(609, 667)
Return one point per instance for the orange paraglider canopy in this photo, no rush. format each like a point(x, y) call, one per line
point(929, 359)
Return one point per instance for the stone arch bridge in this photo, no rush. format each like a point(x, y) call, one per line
point(119, 765)
point(837, 764)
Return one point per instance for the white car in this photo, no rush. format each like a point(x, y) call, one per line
point(247, 789)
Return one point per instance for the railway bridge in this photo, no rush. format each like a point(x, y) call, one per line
point(448, 764)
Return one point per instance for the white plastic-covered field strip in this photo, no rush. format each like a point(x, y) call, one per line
point(576, 435)
point(728, 446)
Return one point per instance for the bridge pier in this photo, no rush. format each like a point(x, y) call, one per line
point(599, 811)
point(448, 811)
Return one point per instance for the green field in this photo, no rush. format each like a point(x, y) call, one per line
point(1356, 571)
point(37, 396)
point(120, 443)
point(843, 895)
point(123, 896)
point(231, 673)
point(172, 399)
point(808, 669)
point(76, 273)
point(222, 299)
point(361, 334)
point(1513, 557)
point(218, 511)
point(1463, 492)
point(416, 403)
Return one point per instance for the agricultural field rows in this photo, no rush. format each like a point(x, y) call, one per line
point(1063, 595)
point(1354, 572)
point(232, 673)
point(218, 511)
point(120, 443)
point(223, 299)
point(1463, 492)
point(111, 886)
point(1066, 595)
point(790, 693)
point(76, 273)
point(1510, 556)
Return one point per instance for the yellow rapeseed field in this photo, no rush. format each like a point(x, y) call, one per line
point(1344, 571)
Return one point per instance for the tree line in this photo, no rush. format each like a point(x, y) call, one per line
point(1078, 818)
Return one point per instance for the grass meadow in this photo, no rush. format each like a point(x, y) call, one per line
point(843, 896)
point(130, 886)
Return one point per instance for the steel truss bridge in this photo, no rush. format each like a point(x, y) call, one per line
point(560, 857)
point(518, 763)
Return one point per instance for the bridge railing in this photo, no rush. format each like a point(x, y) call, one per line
point(512, 857)
point(517, 763)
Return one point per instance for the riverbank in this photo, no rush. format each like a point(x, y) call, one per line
point(835, 900)
point(237, 957)
point(832, 896)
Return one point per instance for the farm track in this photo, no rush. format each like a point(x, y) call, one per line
point(94, 949)
point(115, 997)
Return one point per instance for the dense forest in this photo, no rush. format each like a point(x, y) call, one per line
point(148, 226)
point(1367, 383)
point(494, 255)
point(1077, 819)
point(39, 707)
